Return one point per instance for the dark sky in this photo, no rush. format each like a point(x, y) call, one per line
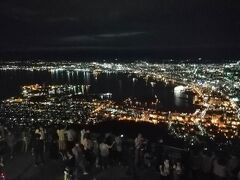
point(160, 28)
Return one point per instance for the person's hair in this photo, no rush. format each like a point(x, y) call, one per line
point(81, 147)
point(87, 136)
point(37, 136)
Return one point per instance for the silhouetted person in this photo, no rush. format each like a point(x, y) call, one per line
point(61, 139)
point(71, 136)
point(195, 164)
point(232, 166)
point(165, 169)
point(118, 149)
point(2, 131)
point(206, 164)
point(138, 149)
point(10, 142)
point(25, 140)
point(38, 149)
point(53, 144)
point(177, 170)
point(219, 168)
point(80, 161)
point(69, 161)
point(104, 152)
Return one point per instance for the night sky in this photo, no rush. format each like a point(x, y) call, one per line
point(154, 28)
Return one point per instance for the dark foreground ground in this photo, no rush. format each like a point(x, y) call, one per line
point(22, 168)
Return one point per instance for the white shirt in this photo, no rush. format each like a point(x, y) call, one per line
point(118, 144)
point(165, 168)
point(104, 149)
point(61, 133)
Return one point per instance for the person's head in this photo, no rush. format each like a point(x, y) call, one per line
point(160, 141)
point(139, 135)
point(87, 135)
point(37, 131)
point(166, 162)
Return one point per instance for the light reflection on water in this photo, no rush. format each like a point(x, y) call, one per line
point(121, 86)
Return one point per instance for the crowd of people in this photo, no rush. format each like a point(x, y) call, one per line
point(83, 151)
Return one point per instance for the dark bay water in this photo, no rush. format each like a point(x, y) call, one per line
point(120, 85)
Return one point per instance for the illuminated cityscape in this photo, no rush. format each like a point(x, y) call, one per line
point(214, 88)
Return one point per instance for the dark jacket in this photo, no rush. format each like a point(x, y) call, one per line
point(38, 146)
